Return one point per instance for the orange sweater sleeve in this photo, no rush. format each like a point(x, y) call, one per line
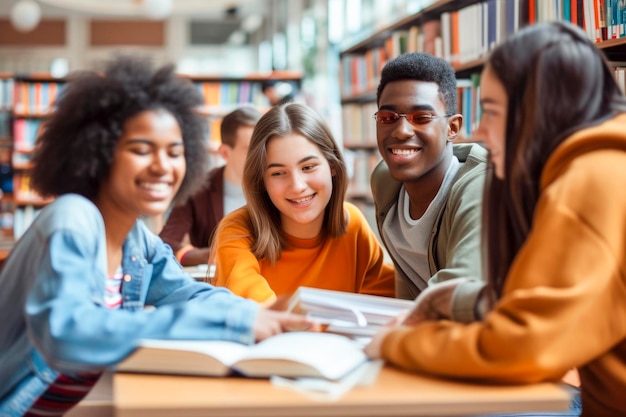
point(564, 303)
point(236, 267)
point(375, 276)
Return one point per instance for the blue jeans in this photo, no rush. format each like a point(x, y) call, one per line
point(575, 408)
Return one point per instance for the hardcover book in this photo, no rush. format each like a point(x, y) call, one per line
point(347, 313)
point(293, 354)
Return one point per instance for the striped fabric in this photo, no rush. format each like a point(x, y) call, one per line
point(64, 393)
point(113, 295)
point(68, 390)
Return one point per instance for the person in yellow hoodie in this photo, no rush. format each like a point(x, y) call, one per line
point(554, 121)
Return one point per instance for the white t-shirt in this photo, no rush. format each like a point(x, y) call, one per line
point(409, 238)
point(233, 197)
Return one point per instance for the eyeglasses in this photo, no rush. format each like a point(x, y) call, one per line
point(420, 117)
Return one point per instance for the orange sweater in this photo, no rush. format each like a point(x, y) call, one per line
point(564, 301)
point(351, 263)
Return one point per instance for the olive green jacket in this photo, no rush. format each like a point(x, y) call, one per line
point(454, 249)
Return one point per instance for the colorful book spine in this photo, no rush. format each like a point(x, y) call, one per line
point(45, 98)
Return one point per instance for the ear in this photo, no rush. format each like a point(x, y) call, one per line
point(224, 151)
point(455, 122)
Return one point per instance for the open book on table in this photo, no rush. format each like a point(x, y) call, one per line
point(294, 354)
point(347, 313)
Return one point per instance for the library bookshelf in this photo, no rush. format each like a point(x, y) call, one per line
point(224, 94)
point(6, 169)
point(462, 32)
point(34, 96)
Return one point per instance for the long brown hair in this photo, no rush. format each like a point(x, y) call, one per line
point(557, 82)
point(265, 223)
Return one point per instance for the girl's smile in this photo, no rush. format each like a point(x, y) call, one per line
point(148, 166)
point(298, 180)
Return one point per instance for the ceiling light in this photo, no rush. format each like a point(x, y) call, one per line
point(25, 15)
point(156, 9)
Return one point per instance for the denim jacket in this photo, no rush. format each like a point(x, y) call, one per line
point(52, 312)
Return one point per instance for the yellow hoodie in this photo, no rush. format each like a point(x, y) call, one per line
point(564, 301)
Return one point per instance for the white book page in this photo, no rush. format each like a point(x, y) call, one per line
point(187, 357)
point(331, 355)
point(224, 351)
point(362, 309)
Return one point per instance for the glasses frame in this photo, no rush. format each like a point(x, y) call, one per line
point(408, 117)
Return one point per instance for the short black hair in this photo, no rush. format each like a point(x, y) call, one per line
point(75, 152)
point(421, 66)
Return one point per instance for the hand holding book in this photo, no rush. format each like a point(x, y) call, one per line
point(434, 303)
point(292, 354)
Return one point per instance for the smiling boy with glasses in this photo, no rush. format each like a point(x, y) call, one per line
point(427, 190)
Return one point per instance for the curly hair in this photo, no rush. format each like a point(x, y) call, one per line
point(421, 66)
point(75, 151)
point(281, 121)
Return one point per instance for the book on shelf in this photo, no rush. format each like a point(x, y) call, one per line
point(292, 354)
point(35, 97)
point(5, 122)
point(25, 134)
point(358, 315)
point(6, 93)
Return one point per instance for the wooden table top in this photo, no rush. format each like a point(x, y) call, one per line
point(394, 392)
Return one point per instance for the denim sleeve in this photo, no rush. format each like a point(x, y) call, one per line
point(169, 285)
point(76, 333)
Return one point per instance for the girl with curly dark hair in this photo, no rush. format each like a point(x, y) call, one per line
point(120, 145)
